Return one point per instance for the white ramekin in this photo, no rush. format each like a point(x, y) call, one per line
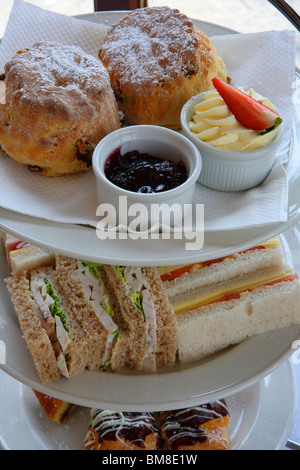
point(226, 170)
point(156, 141)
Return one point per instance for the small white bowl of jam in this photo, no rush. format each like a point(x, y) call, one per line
point(141, 169)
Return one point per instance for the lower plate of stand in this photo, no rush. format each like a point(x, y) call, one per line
point(24, 425)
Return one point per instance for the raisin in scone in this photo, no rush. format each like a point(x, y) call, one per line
point(58, 105)
point(157, 59)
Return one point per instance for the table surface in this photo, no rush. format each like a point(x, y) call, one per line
point(241, 15)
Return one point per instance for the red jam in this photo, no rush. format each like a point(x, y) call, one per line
point(143, 173)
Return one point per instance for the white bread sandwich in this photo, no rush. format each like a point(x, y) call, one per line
point(232, 299)
point(184, 279)
point(22, 256)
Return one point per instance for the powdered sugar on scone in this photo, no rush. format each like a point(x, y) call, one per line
point(157, 60)
point(58, 105)
point(146, 49)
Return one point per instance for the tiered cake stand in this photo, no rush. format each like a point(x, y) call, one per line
point(255, 377)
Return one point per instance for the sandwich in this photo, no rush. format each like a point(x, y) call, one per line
point(79, 315)
point(65, 333)
point(184, 279)
point(133, 308)
point(22, 256)
point(222, 302)
point(148, 318)
point(82, 280)
point(57, 328)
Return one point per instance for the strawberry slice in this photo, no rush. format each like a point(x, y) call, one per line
point(251, 113)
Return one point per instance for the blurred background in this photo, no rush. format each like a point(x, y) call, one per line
point(244, 16)
point(240, 15)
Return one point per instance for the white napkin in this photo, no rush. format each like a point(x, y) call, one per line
point(28, 23)
point(264, 61)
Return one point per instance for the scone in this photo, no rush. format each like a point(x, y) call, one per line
point(116, 430)
point(58, 105)
point(198, 428)
point(157, 60)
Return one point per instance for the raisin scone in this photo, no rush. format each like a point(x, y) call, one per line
point(58, 105)
point(157, 59)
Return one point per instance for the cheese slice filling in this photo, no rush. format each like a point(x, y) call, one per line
point(239, 287)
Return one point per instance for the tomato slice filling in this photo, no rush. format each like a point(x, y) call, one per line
point(187, 269)
point(237, 295)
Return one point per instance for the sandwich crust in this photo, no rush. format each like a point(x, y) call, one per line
point(166, 320)
point(35, 336)
point(77, 351)
point(157, 60)
point(98, 331)
point(150, 343)
point(58, 105)
point(133, 327)
point(64, 343)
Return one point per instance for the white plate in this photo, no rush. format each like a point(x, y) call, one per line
point(216, 376)
point(81, 241)
point(24, 425)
